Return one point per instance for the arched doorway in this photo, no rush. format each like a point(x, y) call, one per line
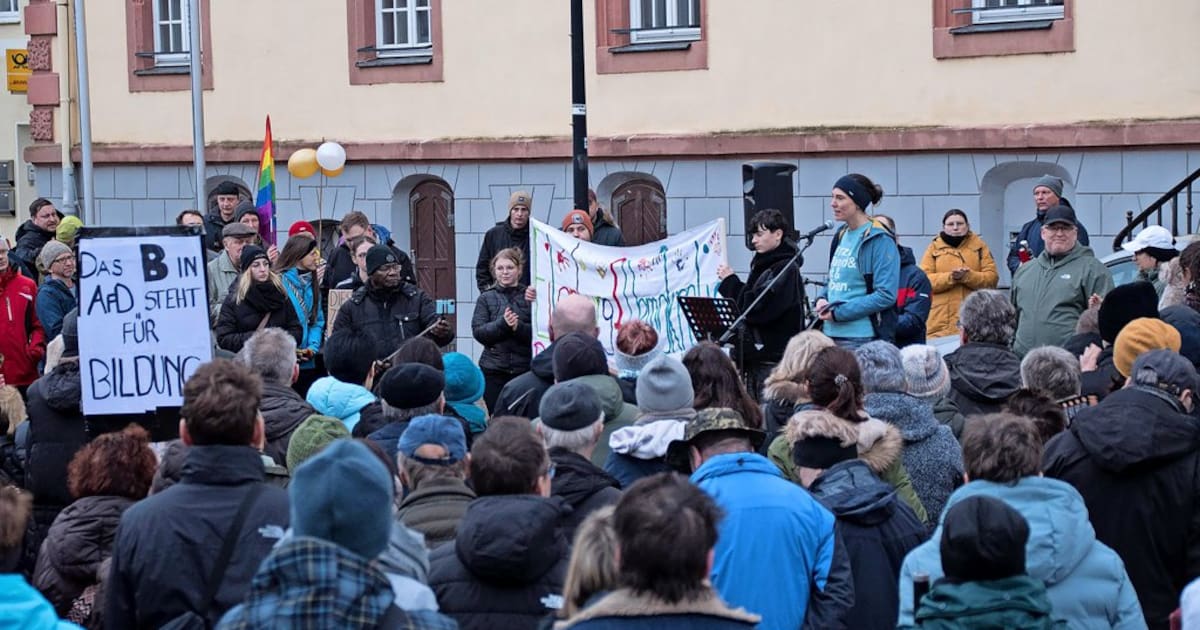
point(640, 207)
point(431, 225)
point(1006, 203)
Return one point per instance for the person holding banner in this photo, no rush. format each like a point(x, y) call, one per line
point(301, 269)
point(256, 301)
point(501, 324)
point(780, 314)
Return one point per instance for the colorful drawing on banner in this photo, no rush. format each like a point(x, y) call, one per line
point(640, 282)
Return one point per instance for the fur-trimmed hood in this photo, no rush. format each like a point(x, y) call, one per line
point(879, 443)
point(786, 391)
point(626, 603)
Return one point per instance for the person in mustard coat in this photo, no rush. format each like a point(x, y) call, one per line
point(957, 263)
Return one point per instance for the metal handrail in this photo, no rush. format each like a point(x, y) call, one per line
point(1156, 208)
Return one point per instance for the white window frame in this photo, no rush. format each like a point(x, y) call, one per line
point(414, 48)
point(181, 57)
point(1026, 12)
point(669, 34)
point(10, 11)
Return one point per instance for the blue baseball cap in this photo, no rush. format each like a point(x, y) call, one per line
point(436, 429)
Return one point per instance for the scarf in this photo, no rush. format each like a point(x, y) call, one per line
point(954, 241)
point(265, 297)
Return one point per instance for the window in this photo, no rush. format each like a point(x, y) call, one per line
point(664, 20)
point(993, 11)
point(10, 11)
point(171, 32)
point(403, 27)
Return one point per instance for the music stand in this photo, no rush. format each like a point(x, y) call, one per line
point(708, 318)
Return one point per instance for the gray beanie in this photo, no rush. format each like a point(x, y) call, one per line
point(1053, 183)
point(50, 252)
point(882, 368)
point(664, 385)
point(925, 372)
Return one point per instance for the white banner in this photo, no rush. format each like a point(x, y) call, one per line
point(626, 283)
point(143, 319)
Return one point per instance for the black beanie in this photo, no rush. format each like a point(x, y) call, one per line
point(411, 385)
point(1125, 304)
point(983, 539)
point(578, 354)
point(251, 253)
point(378, 256)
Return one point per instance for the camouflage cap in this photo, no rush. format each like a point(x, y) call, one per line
point(706, 421)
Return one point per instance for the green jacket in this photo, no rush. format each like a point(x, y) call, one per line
point(1050, 294)
point(221, 274)
point(1013, 603)
point(881, 454)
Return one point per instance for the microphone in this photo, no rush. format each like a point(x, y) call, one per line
point(827, 225)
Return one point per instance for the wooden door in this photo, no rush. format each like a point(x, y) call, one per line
point(431, 220)
point(641, 210)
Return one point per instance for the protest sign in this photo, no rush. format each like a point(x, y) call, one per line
point(626, 283)
point(143, 318)
point(337, 297)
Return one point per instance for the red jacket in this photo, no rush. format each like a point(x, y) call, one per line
point(22, 340)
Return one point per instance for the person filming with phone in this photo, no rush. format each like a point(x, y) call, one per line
point(390, 310)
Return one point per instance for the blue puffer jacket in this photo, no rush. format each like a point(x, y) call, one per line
point(879, 261)
point(331, 397)
point(773, 533)
point(1085, 580)
point(21, 606)
point(299, 289)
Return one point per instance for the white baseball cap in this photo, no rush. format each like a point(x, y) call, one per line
point(1155, 236)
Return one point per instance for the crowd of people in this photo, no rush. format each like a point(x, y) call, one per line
point(342, 469)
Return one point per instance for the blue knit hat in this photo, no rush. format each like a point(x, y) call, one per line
point(882, 368)
point(464, 386)
point(343, 495)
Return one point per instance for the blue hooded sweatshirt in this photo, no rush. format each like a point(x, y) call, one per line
point(775, 543)
point(331, 397)
point(1085, 580)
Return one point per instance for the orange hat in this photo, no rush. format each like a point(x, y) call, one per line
point(578, 216)
point(1140, 336)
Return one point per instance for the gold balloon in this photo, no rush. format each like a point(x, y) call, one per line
point(303, 163)
point(329, 173)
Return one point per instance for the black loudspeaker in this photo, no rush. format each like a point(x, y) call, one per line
point(768, 185)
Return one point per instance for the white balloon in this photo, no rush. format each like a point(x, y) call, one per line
point(331, 156)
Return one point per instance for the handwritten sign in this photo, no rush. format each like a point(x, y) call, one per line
point(143, 318)
point(626, 283)
point(337, 297)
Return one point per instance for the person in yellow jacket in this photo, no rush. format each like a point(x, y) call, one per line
point(957, 263)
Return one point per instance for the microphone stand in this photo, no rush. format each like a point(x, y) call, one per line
point(797, 260)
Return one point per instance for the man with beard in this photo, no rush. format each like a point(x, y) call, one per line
point(33, 235)
point(389, 310)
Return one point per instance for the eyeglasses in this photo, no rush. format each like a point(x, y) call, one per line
point(1059, 227)
point(63, 259)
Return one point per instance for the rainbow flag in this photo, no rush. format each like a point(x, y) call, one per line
point(265, 199)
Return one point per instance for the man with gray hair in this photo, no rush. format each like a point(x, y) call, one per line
point(984, 372)
point(271, 354)
point(1052, 371)
point(571, 423)
point(522, 395)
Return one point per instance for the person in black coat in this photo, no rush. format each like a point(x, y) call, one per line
point(523, 394)
point(605, 231)
point(33, 235)
point(271, 354)
point(507, 564)
point(341, 265)
point(390, 310)
point(513, 231)
point(877, 528)
point(256, 301)
point(1135, 459)
point(780, 315)
point(501, 324)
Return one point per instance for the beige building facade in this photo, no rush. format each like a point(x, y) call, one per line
point(447, 106)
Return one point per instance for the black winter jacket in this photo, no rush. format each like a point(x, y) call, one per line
point(213, 226)
point(498, 237)
point(239, 321)
point(504, 349)
point(390, 317)
point(606, 233)
point(506, 567)
point(1135, 458)
point(167, 543)
point(781, 401)
point(56, 433)
point(522, 396)
point(282, 411)
point(982, 377)
point(878, 530)
point(30, 240)
point(583, 485)
point(79, 540)
point(780, 315)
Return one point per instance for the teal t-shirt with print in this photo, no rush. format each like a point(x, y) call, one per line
point(846, 282)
